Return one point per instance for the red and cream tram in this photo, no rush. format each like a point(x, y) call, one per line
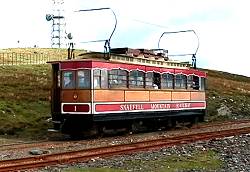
point(132, 87)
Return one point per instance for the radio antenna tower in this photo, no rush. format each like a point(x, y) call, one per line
point(58, 33)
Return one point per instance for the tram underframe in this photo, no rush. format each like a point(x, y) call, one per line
point(129, 122)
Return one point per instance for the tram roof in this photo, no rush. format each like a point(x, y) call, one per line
point(94, 64)
point(93, 61)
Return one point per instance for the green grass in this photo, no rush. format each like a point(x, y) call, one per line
point(207, 160)
point(93, 170)
point(24, 100)
point(228, 76)
point(25, 82)
point(202, 160)
point(230, 90)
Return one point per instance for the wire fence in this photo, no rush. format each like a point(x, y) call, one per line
point(28, 58)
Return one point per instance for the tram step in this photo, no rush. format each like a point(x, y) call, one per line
point(56, 122)
point(53, 130)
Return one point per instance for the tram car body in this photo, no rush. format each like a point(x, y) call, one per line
point(132, 86)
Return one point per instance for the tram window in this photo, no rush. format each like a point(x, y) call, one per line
point(180, 81)
point(190, 82)
point(104, 79)
point(83, 78)
point(97, 78)
point(193, 82)
point(167, 81)
point(118, 78)
point(100, 78)
point(149, 80)
point(196, 84)
point(136, 79)
point(68, 79)
point(202, 84)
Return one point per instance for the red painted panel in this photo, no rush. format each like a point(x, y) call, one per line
point(190, 72)
point(75, 108)
point(159, 69)
point(73, 65)
point(109, 66)
point(84, 64)
point(148, 106)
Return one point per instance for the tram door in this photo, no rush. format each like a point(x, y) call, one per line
point(55, 92)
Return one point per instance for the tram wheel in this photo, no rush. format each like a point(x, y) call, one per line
point(195, 120)
point(137, 126)
point(171, 123)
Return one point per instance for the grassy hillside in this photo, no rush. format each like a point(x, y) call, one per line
point(24, 99)
point(228, 96)
point(25, 108)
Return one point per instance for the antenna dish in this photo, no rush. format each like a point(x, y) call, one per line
point(69, 36)
point(49, 17)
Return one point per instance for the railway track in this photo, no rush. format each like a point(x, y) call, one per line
point(58, 144)
point(221, 124)
point(88, 154)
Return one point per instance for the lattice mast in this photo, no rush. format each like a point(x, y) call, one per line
point(58, 33)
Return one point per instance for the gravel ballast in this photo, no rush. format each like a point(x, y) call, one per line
point(233, 152)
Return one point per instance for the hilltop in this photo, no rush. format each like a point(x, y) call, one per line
point(25, 92)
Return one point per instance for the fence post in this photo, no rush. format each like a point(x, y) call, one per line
point(8, 58)
point(2, 55)
point(47, 57)
point(12, 60)
point(20, 57)
point(14, 55)
point(26, 58)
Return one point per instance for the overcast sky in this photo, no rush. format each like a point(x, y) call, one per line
point(221, 25)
